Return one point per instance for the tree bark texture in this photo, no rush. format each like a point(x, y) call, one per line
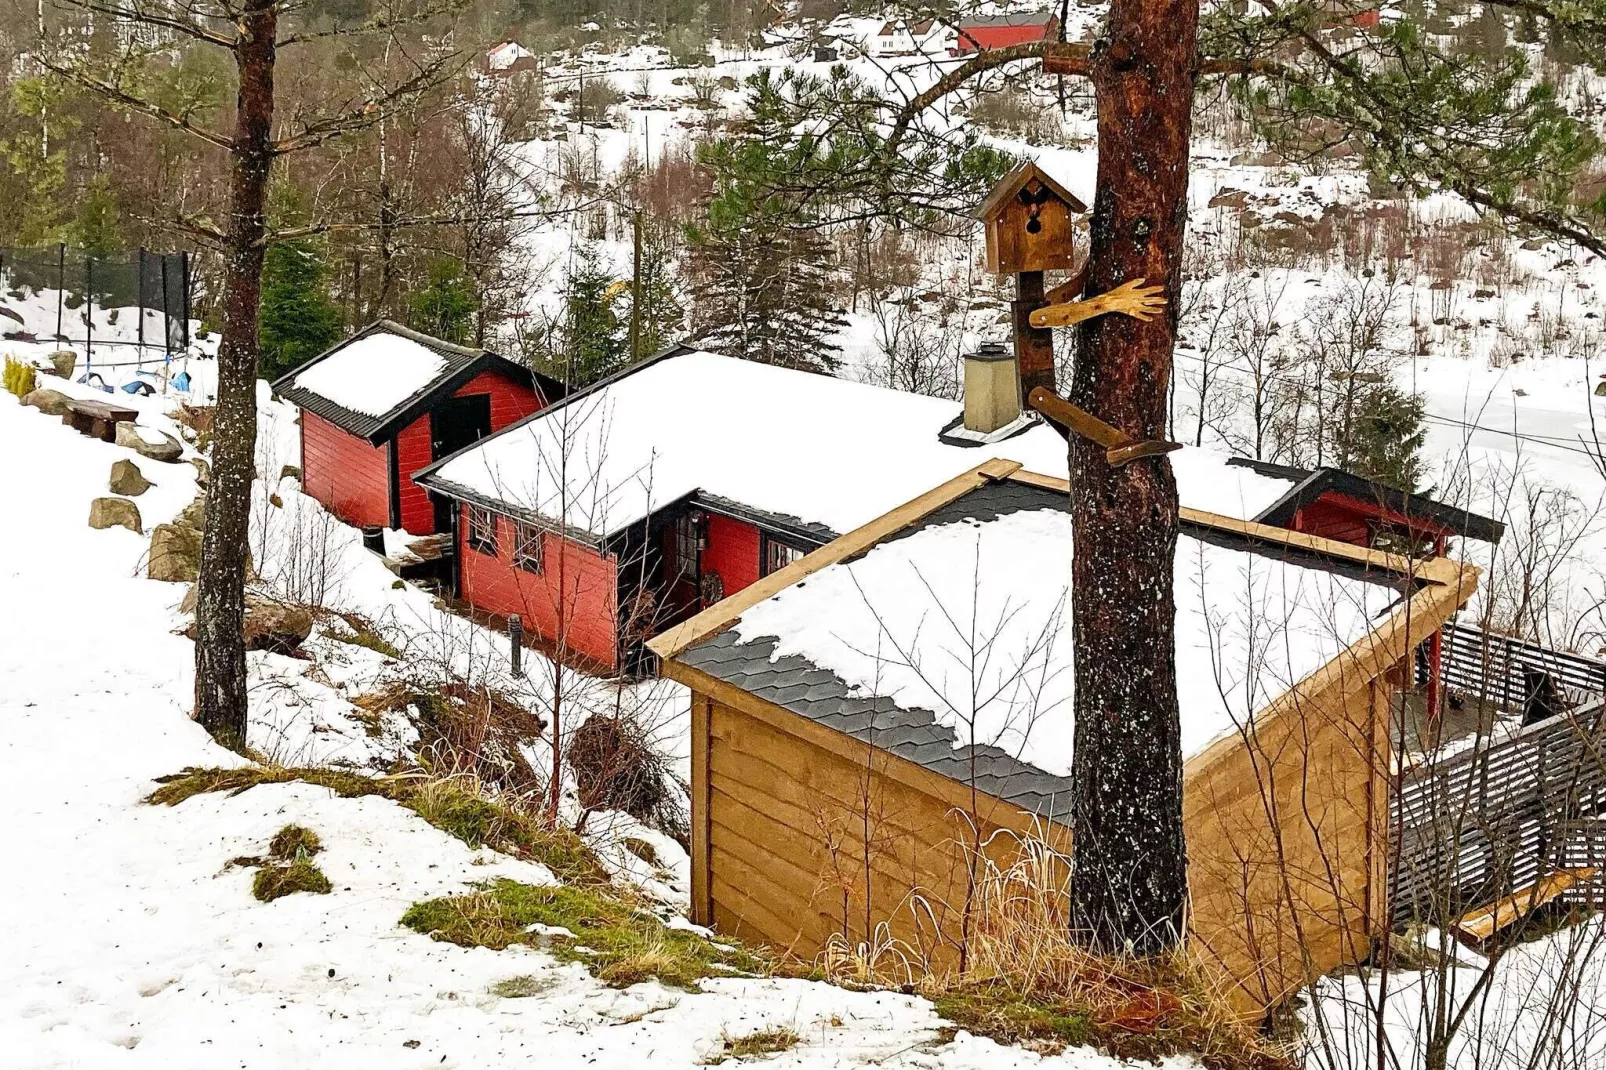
point(220, 667)
point(1129, 885)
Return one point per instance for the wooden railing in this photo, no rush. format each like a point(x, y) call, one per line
point(1500, 815)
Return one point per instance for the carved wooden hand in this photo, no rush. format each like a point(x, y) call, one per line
point(1131, 298)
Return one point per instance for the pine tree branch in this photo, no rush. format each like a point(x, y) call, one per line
point(134, 103)
point(1069, 59)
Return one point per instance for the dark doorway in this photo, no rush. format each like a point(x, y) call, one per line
point(454, 424)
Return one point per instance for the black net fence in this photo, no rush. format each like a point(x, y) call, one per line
point(122, 308)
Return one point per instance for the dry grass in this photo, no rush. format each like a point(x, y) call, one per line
point(1027, 980)
point(767, 1041)
point(458, 805)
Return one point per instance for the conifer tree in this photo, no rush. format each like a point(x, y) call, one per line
point(445, 308)
point(594, 344)
point(298, 320)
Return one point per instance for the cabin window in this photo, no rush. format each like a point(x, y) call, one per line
point(685, 543)
point(777, 555)
point(528, 544)
point(482, 530)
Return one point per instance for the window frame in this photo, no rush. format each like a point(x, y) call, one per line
point(524, 537)
point(768, 547)
point(686, 535)
point(485, 543)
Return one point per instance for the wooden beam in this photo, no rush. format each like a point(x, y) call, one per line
point(722, 615)
point(1480, 924)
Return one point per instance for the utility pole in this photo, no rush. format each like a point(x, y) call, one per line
point(635, 288)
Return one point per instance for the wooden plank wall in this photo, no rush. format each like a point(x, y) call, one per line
point(795, 842)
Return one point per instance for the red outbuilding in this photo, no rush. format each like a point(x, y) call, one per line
point(1001, 31)
point(389, 401)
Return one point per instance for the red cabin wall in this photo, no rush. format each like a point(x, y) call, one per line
point(589, 597)
point(350, 477)
point(1338, 516)
point(734, 551)
point(412, 454)
point(511, 401)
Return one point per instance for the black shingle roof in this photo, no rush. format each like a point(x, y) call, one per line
point(462, 363)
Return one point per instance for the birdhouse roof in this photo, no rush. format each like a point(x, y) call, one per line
point(1011, 184)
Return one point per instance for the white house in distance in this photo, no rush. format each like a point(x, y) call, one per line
point(509, 58)
point(903, 37)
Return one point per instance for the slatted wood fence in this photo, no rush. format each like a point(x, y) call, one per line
point(1491, 820)
point(1497, 668)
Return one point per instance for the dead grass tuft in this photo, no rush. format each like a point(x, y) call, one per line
point(767, 1041)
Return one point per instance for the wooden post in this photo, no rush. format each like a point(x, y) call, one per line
point(515, 642)
point(702, 899)
point(1034, 346)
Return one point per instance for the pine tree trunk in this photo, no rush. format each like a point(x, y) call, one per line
point(1129, 886)
point(220, 692)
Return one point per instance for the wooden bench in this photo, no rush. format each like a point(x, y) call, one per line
point(97, 418)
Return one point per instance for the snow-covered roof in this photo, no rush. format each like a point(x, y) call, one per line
point(375, 374)
point(823, 451)
point(951, 640)
point(386, 375)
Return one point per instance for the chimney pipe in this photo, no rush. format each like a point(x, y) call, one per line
point(992, 388)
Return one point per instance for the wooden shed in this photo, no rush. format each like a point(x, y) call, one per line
point(387, 402)
point(844, 770)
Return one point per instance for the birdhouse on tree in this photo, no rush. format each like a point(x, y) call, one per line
point(1028, 219)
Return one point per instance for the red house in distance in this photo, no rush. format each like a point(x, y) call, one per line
point(1001, 31)
point(389, 401)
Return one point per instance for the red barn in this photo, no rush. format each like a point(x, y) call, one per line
point(389, 401)
point(1001, 31)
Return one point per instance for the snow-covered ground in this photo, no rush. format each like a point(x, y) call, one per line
point(127, 940)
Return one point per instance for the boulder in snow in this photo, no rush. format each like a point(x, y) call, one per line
point(175, 553)
point(290, 471)
point(115, 512)
point(128, 480)
point(130, 435)
point(203, 474)
point(271, 625)
point(62, 362)
point(49, 402)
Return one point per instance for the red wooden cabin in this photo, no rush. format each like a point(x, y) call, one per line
point(1001, 31)
point(389, 401)
point(1336, 505)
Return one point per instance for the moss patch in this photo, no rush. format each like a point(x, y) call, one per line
point(776, 1038)
point(618, 943)
point(293, 841)
point(450, 805)
point(280, 879)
